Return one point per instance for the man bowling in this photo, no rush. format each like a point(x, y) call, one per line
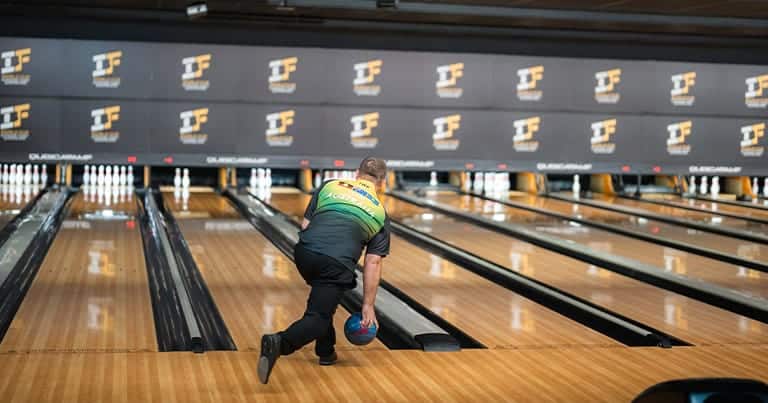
point(343, 218)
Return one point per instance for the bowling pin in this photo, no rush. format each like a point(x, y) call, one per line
point(12, 174)
point(44, 175)
point(433, 178)
point(123, 177)
point(35, 175)
point(177, 178)
point(108, 176)
point(28, 174)
point(755, 186)
point(490, 180)
point(715, 188)
point(268, 174)
point(704, 188)
point(478, 187)
point(100, 176)
point(129, 178)
point(468, 182)
point(86, 175)
point(692, 185)
point(253, 180)
point(576, 186)
point(115, 176)
point(318, 180)
point(185, 178)
point(765, 188)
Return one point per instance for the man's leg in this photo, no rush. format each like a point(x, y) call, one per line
point(316, 322)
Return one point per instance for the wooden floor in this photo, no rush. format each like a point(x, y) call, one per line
point(703, 217)
point(743, 211)
point(493, 315)
point(746, 281)
point(683, 317)
point(540, 375)
point(709, 240)
point(256, 289)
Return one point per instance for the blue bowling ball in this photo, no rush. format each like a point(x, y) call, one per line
point(356, 333)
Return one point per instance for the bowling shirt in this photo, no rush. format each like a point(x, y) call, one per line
point(346, 217)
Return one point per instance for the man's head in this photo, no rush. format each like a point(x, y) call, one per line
point(373, 169)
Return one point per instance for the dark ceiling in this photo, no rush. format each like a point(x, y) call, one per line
point(732, 18)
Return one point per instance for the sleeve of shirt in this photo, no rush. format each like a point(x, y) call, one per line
point(379, 244)
point(310, 211)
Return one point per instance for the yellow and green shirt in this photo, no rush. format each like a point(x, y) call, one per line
point(345, 217)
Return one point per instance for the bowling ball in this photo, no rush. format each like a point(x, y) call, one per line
point(356, 333)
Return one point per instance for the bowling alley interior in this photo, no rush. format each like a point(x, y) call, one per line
point(576, 192)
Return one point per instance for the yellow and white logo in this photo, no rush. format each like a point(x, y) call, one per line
point(525, 130)
point(191, 126)
point(194, 67)
point(678, 136)
point(280, 75)
point(750, 141)
point(445, 128)
point(12, 120)
point(757, 92)
point(528, 87)
point(365, 74)
point(105, 74)
point(12, 71)
point(681, 95)
point(361, 135)
point(103, 120)
point(602, 133)
point(277, 128)
point(447, 80)
point(605, 90)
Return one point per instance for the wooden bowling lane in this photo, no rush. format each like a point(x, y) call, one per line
point(491, 314)
point(680, 316)
point(91, 292)
point(747, 281)
point(713, 206)
point(676, 212)
point(256, 288)
point(737, 247)
point(530, 375)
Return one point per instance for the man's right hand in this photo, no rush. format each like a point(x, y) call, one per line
point(369, 316)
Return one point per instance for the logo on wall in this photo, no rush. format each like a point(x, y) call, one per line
point(678, 135)
point(105, 74)
point(750, 142)
point(12, 72)
point(365, 74)
point(680, 95)
point(447, 80)
point(602, 132)
point(191, 125)
point(445, 127)
point(361, 135)
point(605, 90)
point(756, 95)
point(277, 128)
point(525, 129)
point(528, 87)
point(103, 119)
point(12, 120)
point(280, 75)
point(194, 67)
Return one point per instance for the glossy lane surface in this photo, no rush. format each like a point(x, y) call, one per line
point(491, 314)
point(256, 288)
point(680, 316)
point(676, 212)
point(91, 292)
point(737, 247)
point(746, 281)
point(716, 207)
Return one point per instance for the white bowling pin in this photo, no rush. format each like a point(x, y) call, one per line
point(318, 180)
point(44, 175)
point(704, 188)
point(28, 174)
point(177, 178)
point(765, 188)
point(108, 176)
point(576, 188)
point(478, 186)
point(433, 178)
point(12, 174)
point(35, 175)
point(490, 180)
point(468, 182)
point(100, 176)
point(692, 185)
point(122, 177)
point(268, 174)
point(115, 175)
point(715, 188)
point(755, 189)
point(253, 180)
point(185, 178)
point(129, 179)
point(86, 175)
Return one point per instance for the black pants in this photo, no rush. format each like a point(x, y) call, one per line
point(329, 280)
